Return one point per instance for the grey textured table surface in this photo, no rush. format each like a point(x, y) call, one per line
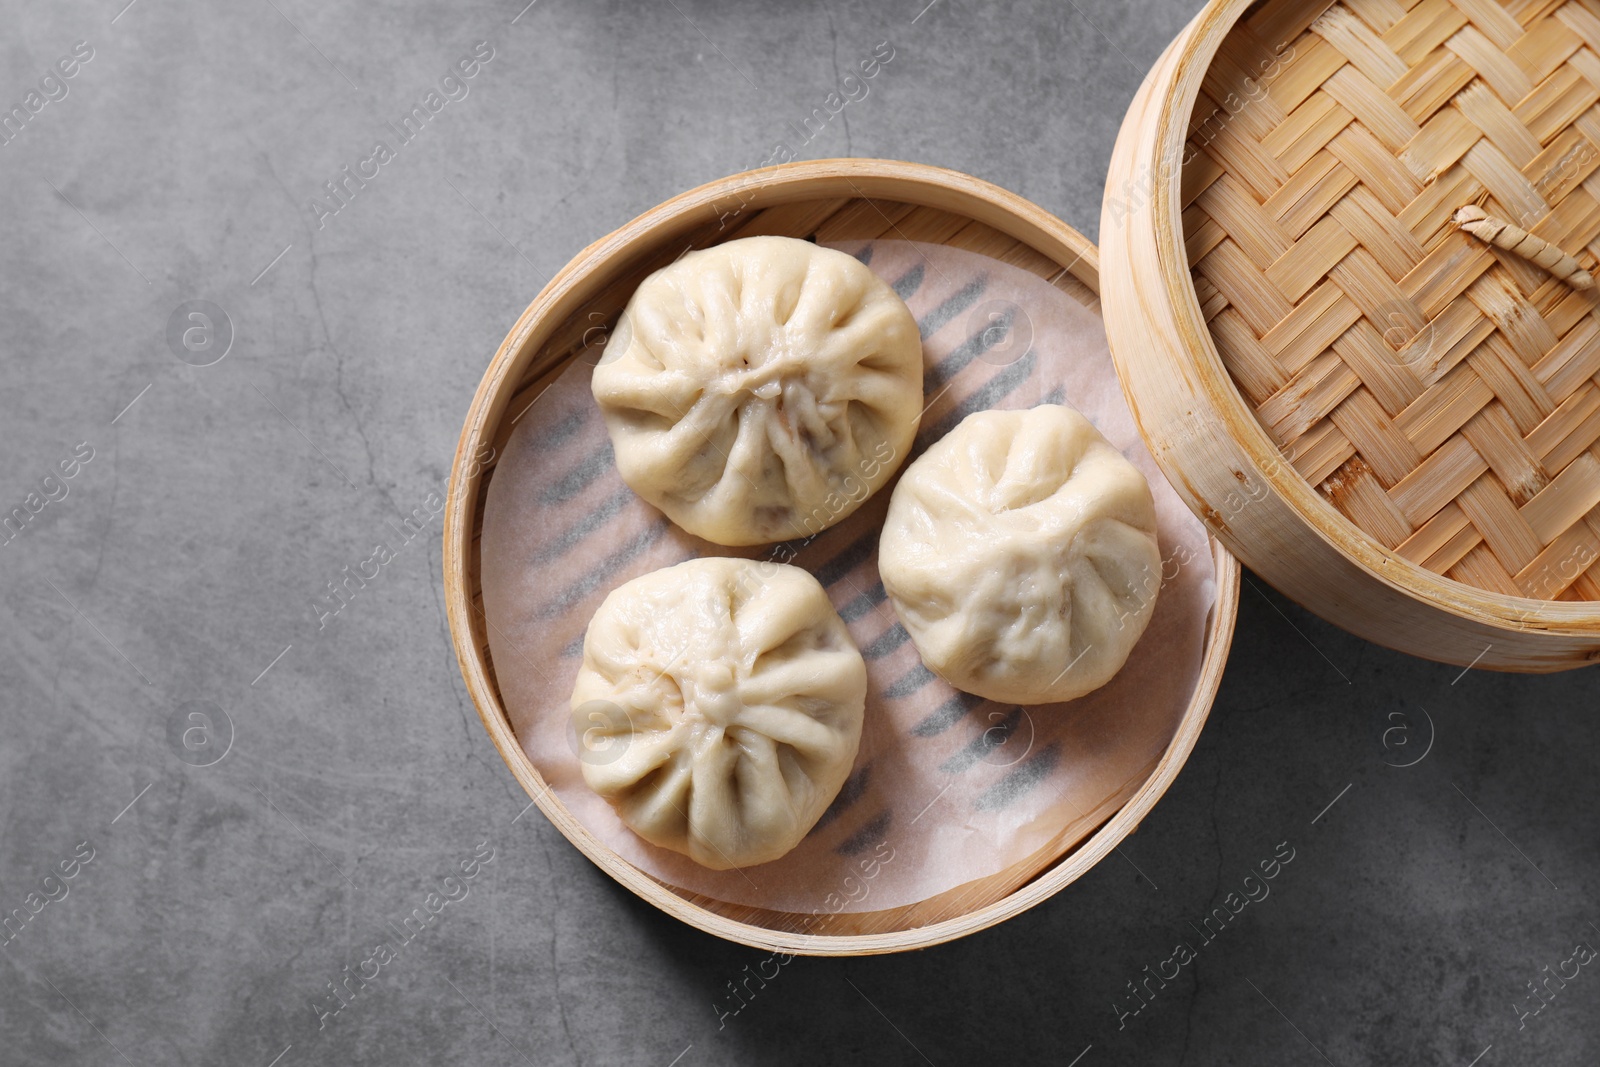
point(211, 905)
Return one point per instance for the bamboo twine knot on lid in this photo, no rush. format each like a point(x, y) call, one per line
point(1516, 240)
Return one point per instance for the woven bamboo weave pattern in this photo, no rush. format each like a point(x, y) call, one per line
point(1439, 392)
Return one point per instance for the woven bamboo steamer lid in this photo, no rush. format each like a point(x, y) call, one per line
point(1389, 418)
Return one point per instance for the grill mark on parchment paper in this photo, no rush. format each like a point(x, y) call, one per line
point(946, 715)
point(863, 603)
point(603, 570)
point(891, 639)
point(964, 298)
point(791, 549)
point(574, 481)
point(866, 837)
point(585, 526)
point(1057, 395)
point(575, 646)
point(854, 788)
point(970, 349)
point(908, 683)
point(864, 254)
point(852, 557)
point(908, 283)
point(982, 398)
point(560, 431)
point(980, 746)
point(1012, 787)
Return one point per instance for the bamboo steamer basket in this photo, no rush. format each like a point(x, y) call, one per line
point(1414, 414)
point(828, 200)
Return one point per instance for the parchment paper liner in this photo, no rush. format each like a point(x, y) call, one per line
point(947, 789)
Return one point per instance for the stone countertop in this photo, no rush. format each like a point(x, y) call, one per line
point(226, 468)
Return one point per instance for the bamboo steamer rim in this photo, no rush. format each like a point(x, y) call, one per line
point(911, 183)
point(1201, 42)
